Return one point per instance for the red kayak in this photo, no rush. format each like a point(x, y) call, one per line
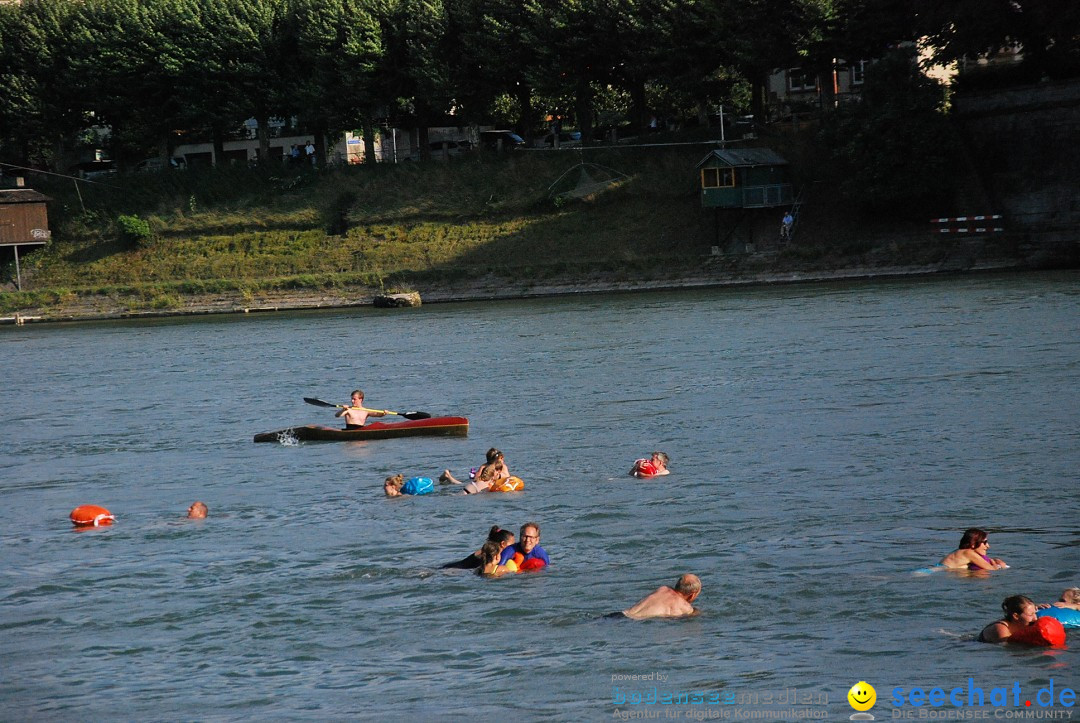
point(432, 427)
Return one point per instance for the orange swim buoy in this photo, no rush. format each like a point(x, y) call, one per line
point(508, 484)
point(91, 516)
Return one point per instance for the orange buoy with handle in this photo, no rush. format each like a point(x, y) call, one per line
point(91, 516)
point(1044, 631)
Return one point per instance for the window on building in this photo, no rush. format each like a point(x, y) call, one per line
point(858, 72)
point(799, 79)
point(717, 177)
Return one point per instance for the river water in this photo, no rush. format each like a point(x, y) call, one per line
point(826, 441)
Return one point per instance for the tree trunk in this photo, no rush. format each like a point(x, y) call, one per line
point(369, 141)
point(583, 111)
point(758, 86)
point(320, 144)
point(827, 83)
point(527, 116)
point(422, 138)
point(219, 142)
point(264, 138)
point(637, 104)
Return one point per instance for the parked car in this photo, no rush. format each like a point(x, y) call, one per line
point(453, 148)
point(158, 164)
point(566, 138)
point(508, 139)
point(93, 170)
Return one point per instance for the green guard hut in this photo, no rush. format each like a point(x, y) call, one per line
point(745, 178)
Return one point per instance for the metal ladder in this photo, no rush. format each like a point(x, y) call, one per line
point(794, 211)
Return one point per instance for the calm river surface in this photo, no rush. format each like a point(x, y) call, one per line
point(826, 441)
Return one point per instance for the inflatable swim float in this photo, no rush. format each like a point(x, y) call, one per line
point(1046, 631)
point(91, 516)
point(417, 486)
point(508, 484)
point(1068, 617)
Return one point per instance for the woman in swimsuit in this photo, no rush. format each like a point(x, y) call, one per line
point(487, 475)
point(1019, 614)
point(972, 553)
point(497, 535)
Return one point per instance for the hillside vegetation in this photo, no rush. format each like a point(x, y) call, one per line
point(385, 226)
point(170, 241)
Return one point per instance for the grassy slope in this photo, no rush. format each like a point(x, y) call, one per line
point(238, 231)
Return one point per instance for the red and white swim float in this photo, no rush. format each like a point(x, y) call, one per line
point(91, 516)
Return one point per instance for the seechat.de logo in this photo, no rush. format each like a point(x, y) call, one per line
point(862, 697)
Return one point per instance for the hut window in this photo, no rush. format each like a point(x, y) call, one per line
point(799, 79)
point(858, 72)
point(717, 177)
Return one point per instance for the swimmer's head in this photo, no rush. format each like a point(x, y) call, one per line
point(197, 511)
point(1071, 596)
point(689, 586)
point(660, 457)
point(392, 485)
point(501, 537)
point(530, 537)
point(493, 455)
point(973, 538)
point(1019, 607)
point(489, 553)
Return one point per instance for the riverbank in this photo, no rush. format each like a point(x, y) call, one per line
point(487, 288)
point(237, 240)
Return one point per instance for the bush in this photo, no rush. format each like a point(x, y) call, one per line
point(133, 230)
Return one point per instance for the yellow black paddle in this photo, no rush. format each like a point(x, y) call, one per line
point(407, 415)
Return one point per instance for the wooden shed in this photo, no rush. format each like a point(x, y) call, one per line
point(23, 217)
point(24, 221)
point(745, 178)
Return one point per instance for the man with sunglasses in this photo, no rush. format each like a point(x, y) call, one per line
point(532, 556)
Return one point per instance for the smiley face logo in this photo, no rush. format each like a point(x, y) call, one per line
point(862, 696)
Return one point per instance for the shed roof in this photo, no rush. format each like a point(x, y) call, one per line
point(744, 157)
point(22, 195)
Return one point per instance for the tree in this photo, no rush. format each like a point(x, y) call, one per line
point(764, 35)
point(891, 150)
point(1048, 31)
point(39, 112)
point(360, 54)
point(414, 70)
point(127, 67)
point(496, 55)
point(231, 70)
point(695, 71)
point(577, 50)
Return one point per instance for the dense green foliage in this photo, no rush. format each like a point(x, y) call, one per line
point(133, 230)
point(892, 150)
point(146, 70)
